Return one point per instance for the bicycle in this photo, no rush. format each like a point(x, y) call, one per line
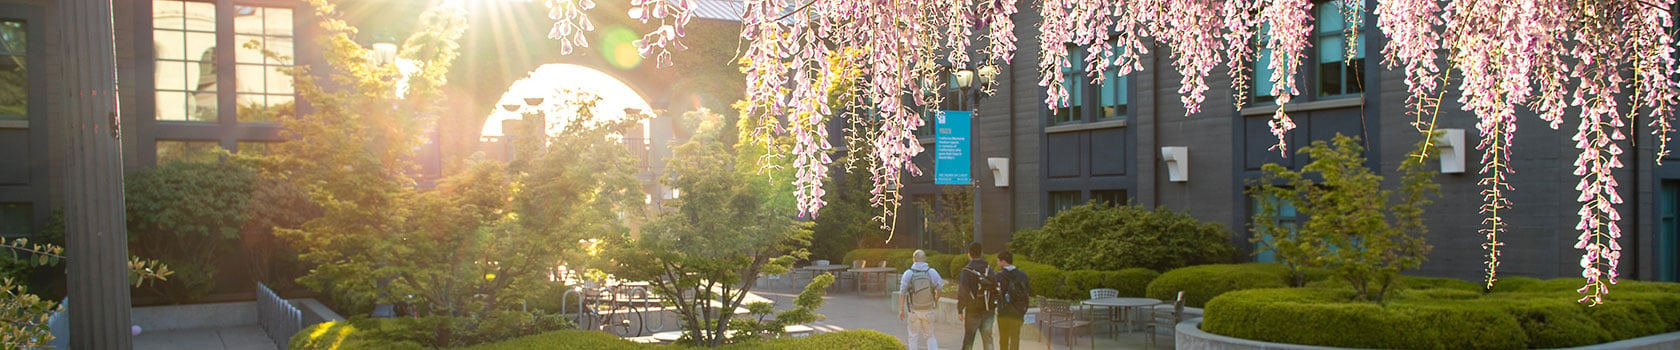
point(617, 309)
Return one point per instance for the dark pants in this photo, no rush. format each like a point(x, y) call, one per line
point(1009, 331)
point(978, 322)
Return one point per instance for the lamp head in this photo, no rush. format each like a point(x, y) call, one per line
point(511, 107)
point(533, 101)
point(987, 72)
point(384, 53)
point(964, 78)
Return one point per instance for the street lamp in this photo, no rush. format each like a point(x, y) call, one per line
point(964, 79)
point(384, 52)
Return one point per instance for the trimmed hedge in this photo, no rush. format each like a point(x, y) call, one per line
point(849, 340)
point(348, 336)
point(1204, 282)
point(1528, 314)
point(896, 258)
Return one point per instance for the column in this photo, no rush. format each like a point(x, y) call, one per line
point(97, 243)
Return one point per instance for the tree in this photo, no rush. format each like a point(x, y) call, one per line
point(350, 150)
point(1554, 56)
point(1353, 227)
point(704, 256)
point(953, 222)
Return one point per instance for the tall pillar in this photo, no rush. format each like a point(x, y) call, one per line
point(96, 238)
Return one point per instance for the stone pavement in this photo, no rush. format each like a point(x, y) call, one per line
point(846, 310)
point(232, 338)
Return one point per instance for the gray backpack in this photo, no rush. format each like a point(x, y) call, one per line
point(922, 294)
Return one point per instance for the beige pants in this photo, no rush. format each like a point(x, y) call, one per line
point(921, 329)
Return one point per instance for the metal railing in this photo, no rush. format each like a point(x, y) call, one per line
point(278, 318)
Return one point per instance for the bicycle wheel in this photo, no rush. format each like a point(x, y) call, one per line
point(625, 321)
point(653, 323)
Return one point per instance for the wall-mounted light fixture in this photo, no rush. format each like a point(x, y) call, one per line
point(1000, 171)
point(1451, 145)
point(1178, 163)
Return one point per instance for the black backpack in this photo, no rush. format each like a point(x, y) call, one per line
point(985, 291)
point(1014, 294)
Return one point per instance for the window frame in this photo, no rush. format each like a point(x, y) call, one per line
point(1308, 74)
point(226, 129)
point(1085, 99)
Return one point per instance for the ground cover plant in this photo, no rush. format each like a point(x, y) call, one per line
point(344, 335)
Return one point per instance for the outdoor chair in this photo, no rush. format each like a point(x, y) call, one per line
point(1113, 316)
point(1167, 318)
point(853, 275)
point(1058, 314)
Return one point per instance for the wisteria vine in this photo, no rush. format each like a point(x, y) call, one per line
point(1544, 55)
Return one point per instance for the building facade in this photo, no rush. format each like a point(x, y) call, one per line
point(1107, 145)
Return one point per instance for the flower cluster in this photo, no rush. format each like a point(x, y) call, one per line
point(673, 16)
point(570, 23)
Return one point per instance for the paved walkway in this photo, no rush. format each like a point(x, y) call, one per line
point(846, 310)
point(232, 338)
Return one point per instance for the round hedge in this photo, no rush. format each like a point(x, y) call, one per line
point(1204, 282)
point(1536, 315)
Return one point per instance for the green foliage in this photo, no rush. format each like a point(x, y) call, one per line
point(846, 222)
point(723, 232)
point(1439, 318)
point(349, 336)
point(188, 215)
point(1097, 236)
point(426, 332)
point(953, 222)
point(804, 311)
point(898, 259)
point(24, 316)
point(1204, 282)
point(1354, 228)
point(1131, 283)
point(1415, 282)
point(850, 340)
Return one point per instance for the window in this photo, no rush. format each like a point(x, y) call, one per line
point(14, 70)
point(185, 35)
point(1063, 200)
point(1073, 80)
point(16, 219)
point(188, 151)
point(1114, 89)
point(1110, 197)
point(1286, 217)
point(1337, 74)
point(1263, 67)
point(262, 84)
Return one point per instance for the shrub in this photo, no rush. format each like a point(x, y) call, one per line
point(1101, 237)
point(850, 340)
point(1315, 316)
point(1133, 282)
point(940, 261)
point(1202, 283)
point(565, 340)
point(1515, 284)
point(1043, 280)
point(187, 215)
point(1415, 282)
point(899, 259)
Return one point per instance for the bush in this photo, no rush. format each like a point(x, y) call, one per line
point(565, 340)
point(1202, 283)
point(426, 332)
point(850, 340)
point(1101, 237)
point(1415, 282)
point(1318, 316)
point(1131, 283)
point(187, 216)
point(1536, 315)
point(899, 259)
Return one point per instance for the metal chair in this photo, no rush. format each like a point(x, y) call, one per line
point(1166, 318)
point(853, 275)
point(1058, 314)
point(1113, 317)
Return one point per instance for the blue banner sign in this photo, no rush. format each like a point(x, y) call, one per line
point(950, 150)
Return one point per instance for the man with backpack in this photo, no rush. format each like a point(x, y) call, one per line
point(919, 293)
point(1012, 306)
point(976, 292)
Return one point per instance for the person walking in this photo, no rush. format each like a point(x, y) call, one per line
point(1012, 304)
point(974, 299)
point(918, 294)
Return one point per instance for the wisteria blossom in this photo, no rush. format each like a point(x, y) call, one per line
point(875, 58)
point(570, 23)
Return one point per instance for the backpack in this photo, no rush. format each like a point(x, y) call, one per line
point(922, 297)
point(1014, 294)
point(985, 291)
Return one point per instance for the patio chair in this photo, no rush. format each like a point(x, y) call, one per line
point(1166, 318)
point(1113, 316)
point(1058, 314)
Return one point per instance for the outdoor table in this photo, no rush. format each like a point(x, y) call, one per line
point(1125, 305)
point(867, 272)
point(819, 269)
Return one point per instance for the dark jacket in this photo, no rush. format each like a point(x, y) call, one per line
point(967, 287)
point(1016, 308)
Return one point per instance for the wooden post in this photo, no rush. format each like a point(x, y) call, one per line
point(96, 236)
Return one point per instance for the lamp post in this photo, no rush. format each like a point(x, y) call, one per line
point(970, 99)
point(93, 212)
